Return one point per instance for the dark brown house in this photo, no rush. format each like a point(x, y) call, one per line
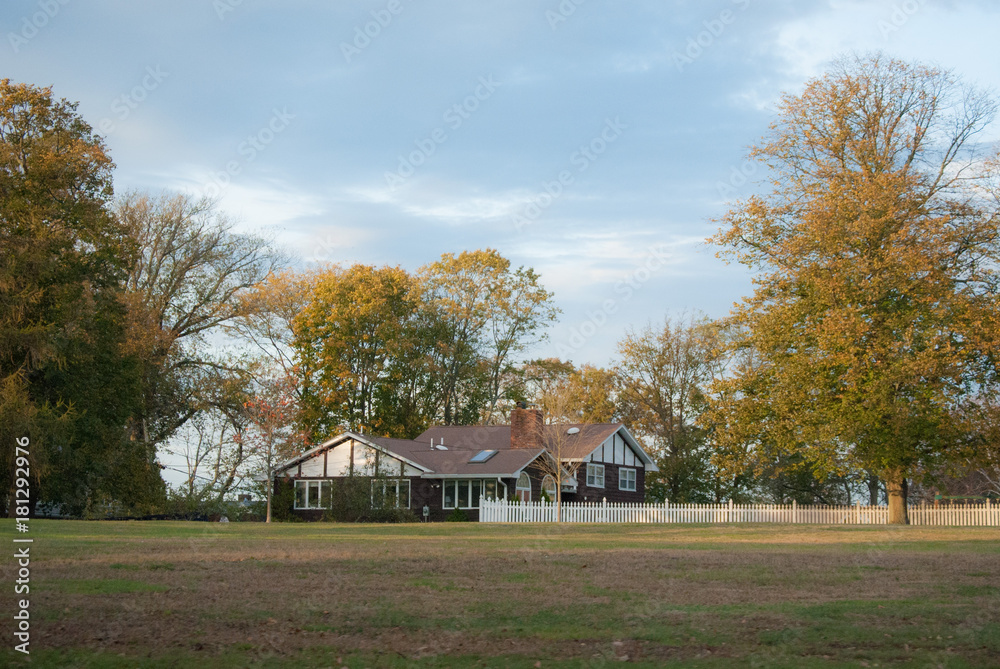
point(456, 466)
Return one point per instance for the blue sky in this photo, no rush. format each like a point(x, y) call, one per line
point(593, 141)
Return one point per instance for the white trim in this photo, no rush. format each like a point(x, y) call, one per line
point(473, 503)
point(595, 465)
point(336, 441)
point(630, 441)
point(518, 488)
point(549, 477)
point(635, 479)
point(397, 480)
point(307, 484)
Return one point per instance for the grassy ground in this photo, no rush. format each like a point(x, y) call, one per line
point(166, 594)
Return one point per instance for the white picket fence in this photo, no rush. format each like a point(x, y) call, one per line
point(505, 511)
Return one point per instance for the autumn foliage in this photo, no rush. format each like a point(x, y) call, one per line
point(874, 319)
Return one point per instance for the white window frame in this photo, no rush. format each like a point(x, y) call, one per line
point(396, 483)
point(592, 473)
point(309, 484)
point(456, 484)
point(518, 488)
point(626, 476)
point(499, 489)
point(551, 495)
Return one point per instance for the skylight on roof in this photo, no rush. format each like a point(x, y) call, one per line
point(482, 456)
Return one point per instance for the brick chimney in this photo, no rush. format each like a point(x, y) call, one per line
point(525, 427)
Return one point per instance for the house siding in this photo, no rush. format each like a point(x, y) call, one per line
point(338, 462)
point(610, 491)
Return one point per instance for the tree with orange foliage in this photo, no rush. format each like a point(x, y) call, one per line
point(271, 435)
point(875, 316)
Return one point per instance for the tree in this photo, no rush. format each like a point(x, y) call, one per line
point(595, 395)
point(267, 312)
point(388, 352)
point(271, 435)
point(586, 395)
point(352, 336)
point(68, 377)
point(664, 376)
point(875, 314)
point(186, 284)
point(212, 442)
point(483, 314)
point(559, 461)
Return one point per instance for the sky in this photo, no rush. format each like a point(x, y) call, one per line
point(593, 141)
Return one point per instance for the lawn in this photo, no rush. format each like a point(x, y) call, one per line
point(174, 594)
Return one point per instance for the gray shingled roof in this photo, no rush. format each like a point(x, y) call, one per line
point(569, 446)
point(455, 460)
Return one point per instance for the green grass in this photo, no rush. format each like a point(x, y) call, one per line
point(129, 594)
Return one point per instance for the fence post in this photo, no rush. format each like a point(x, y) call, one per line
point(795, 511)
point(604, 510)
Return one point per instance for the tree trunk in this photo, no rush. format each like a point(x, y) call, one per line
point(896, 490)
point(559, 499)
point(270, 489)
point(873, 490)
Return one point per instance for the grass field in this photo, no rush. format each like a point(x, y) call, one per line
point(173, 594)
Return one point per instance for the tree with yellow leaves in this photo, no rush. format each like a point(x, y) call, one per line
point(484, 314)
point(350, 338)
point(874, 319)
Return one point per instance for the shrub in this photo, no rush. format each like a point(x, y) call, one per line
point(457, 516)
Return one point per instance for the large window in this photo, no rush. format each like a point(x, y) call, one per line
point(310, 494)
point(466, 493)
point(595, 475)
point(391, 493)
point(626, 479)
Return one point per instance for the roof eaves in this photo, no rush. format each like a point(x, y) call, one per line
point(341, 438)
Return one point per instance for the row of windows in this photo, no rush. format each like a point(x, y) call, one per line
point(384, 493)
point(460, 493)
point(466, 493)
point(595, 477)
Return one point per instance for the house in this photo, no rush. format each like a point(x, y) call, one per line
point(454, 467)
